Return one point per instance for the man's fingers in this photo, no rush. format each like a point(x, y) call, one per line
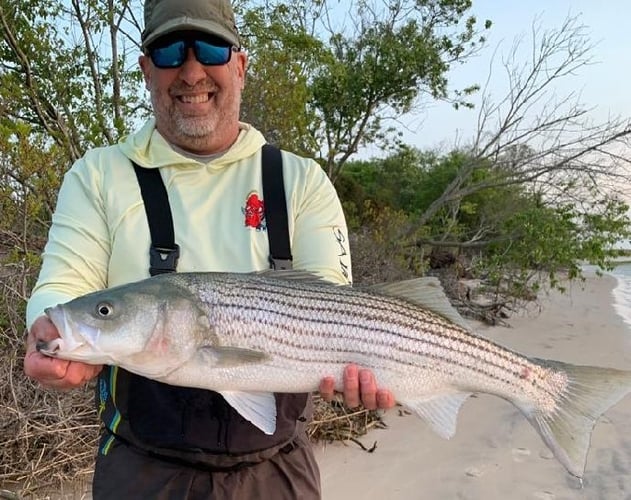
point(79, 374)
point(42, 329)
point(43, 368)
point(53, 373)
point(351, 386)
point(64, 375)
point(327, 388)
point(385, 399)
point(368, 389)
point(359, 388)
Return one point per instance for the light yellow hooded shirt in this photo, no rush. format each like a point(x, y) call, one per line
point(100, 237)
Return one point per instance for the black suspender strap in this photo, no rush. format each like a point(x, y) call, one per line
point(275, 205)
point(163, 252)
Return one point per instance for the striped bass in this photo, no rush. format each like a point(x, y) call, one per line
point(249, 335)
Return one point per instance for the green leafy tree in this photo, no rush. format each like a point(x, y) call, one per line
point(328, 78)
point(68, 70)
point(398, 52)
point(514, 234)
point(282, 52)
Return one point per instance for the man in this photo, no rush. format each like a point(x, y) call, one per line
point(160, 441)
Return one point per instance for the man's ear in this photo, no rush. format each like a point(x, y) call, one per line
point(145, 65)
point(242, 66)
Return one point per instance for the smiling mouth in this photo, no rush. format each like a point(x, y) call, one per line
point(195, 99)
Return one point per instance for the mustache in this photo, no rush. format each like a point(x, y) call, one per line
point(181, 88)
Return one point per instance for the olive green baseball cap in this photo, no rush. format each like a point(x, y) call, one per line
point(214, 17)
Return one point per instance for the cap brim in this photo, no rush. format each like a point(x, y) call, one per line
point(188, 24)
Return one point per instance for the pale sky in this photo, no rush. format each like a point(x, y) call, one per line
point(605, 85)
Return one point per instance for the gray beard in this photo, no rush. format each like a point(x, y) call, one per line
point(192, 127)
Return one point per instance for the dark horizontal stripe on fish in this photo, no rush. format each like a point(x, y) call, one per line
point(508, 375)
point(399, 308)
point(446, 366)
point(461, 341)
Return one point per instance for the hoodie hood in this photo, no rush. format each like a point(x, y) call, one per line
point(149, 149)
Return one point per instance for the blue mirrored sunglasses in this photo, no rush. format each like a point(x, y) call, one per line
point(174, 53)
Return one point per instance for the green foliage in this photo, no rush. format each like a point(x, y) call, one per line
point(514, 233)
point(396, 55)
point(326, 89)
point(394, 180)
point(553, 239)
point(281, 57)
point(381, 253)
point(411, 181)
point(61, 92)
point(61, 71)
point(30, 173)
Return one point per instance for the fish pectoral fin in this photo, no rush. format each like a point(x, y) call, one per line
point(259, 408)
point(440, 412)
point(225, 356)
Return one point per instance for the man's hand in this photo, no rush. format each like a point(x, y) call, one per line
point(360, 387)
point(51, 372)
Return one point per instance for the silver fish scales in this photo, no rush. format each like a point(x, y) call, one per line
point(249, 335)
point(306, 325)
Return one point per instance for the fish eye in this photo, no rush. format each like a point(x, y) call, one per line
point(104, 309)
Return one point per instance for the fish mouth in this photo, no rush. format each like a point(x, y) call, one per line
point(50, 347)
point(66, 342)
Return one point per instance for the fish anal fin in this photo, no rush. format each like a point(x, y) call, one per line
point(440, 412)
point(259, 408)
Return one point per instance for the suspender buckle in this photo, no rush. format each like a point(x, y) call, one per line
point(162, 259)
point(280, 264)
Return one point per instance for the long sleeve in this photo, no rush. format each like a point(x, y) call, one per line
point(76, 256)
point(320, 240)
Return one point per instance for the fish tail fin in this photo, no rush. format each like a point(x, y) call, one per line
point(590, 392)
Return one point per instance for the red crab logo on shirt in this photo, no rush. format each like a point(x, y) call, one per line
point(254, 212)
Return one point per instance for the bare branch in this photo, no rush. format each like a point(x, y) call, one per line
point(554, 136)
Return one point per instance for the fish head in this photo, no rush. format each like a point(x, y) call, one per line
point(149, 327)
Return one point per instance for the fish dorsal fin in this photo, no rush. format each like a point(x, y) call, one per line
point(425, 292)
point(259, 408)
point(293, 275)
point(288, 274)
point(440, 412)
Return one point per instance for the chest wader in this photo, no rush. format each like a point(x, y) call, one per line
point(188, 425)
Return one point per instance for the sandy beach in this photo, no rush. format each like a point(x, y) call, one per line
point(496, 454)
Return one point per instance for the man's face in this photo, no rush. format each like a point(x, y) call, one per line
point(196, 106)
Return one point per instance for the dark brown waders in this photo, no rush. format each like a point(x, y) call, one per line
point(125, 473)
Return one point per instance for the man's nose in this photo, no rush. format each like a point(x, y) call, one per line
point(192, 71)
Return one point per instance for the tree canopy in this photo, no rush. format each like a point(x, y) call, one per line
point(326, 79)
